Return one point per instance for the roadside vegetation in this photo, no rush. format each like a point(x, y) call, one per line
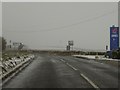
point(11, 54)
point(2, 44)
point(116, 54)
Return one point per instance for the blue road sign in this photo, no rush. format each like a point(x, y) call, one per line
point(114, 38)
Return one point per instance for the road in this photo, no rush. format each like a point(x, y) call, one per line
point(52, 71)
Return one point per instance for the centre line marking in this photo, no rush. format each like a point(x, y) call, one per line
point(90, 82)
point(71, 66)
point(62, 60)
point(86, 78)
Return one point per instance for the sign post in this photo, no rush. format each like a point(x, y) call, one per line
point(114, 38)
point(70, 44)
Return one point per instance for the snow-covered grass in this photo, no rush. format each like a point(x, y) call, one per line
point(9, 64)
point(99, 57)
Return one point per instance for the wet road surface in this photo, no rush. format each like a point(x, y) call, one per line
point(48, 71)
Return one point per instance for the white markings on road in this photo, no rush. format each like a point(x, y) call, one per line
point(53, 60)
point(90, 82)
point(71, 66)
point(62, 60)
point(82, 75)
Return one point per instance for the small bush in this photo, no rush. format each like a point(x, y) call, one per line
point(116, 54)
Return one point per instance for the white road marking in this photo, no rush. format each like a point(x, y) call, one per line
point(53, 60)
point(71, 66)
point(62, 60)
point(86, 78)
point(90, 82)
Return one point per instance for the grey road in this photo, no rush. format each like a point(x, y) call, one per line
point(52, 71)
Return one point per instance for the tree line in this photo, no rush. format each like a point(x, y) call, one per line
point(2, 43)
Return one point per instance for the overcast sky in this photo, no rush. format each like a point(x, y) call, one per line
point(50, 25)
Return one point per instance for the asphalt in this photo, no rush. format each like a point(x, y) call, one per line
point(52, 71)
